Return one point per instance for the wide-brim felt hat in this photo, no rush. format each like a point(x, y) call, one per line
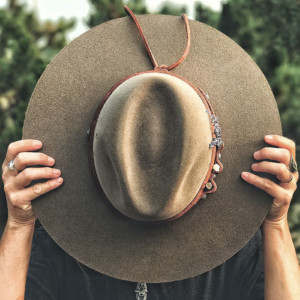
point(79, 113)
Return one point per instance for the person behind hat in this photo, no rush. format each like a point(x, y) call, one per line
point(281, 268)
point(154, 148)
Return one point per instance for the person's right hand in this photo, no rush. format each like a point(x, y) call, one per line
point(16, 183)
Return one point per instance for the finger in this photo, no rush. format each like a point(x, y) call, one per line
point(281, 142)
point(282, 195)
point(21, 146)
point(7, 173)
point(25, 196)
point(25, 177)
point(24, 159)
point(278, 154)
point(278, 169)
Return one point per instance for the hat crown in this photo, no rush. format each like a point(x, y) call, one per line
point(151, 147)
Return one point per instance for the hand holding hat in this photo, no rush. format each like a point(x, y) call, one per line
point(284, 190)
point(17, 178)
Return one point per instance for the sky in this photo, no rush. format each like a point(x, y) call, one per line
point(53, 9)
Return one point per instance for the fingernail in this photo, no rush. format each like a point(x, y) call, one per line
point(59, 180)
point(269, 137)
point(56, 172)
point(254, 166)
point(37, 143)
point(256, 154)
point(51, 160)
point(245, 175)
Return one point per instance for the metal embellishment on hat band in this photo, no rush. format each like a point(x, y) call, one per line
point(216, 141)
point(210, 185)
point(141, 291)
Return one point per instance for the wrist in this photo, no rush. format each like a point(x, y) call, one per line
point(276, 231)
point(278, 223)
point(13, 224)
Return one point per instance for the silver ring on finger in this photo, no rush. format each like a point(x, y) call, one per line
point(11, 166)
point(289, 180)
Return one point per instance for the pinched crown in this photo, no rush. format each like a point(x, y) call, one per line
point(152, 146)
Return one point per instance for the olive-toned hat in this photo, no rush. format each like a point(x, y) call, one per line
point(146, 194)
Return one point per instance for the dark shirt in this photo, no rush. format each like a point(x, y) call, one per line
point(53, 274)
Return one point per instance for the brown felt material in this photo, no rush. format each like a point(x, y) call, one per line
point(151, 146)
point(80, 219)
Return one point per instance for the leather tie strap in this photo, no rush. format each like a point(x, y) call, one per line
point(153, 61)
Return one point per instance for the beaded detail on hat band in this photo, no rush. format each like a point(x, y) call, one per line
point(217, 142)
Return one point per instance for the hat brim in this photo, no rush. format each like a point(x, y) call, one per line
point(80, 219)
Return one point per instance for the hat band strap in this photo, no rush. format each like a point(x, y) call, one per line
point(153, 61)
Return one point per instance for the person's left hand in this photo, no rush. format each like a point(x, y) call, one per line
point(282, 192)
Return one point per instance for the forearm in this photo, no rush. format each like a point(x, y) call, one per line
point(15, 245)
point(282, 272)
point(15, 248)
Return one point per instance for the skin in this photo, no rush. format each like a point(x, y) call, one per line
point(282, 272)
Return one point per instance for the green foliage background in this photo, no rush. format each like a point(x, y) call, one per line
point(268, 30)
